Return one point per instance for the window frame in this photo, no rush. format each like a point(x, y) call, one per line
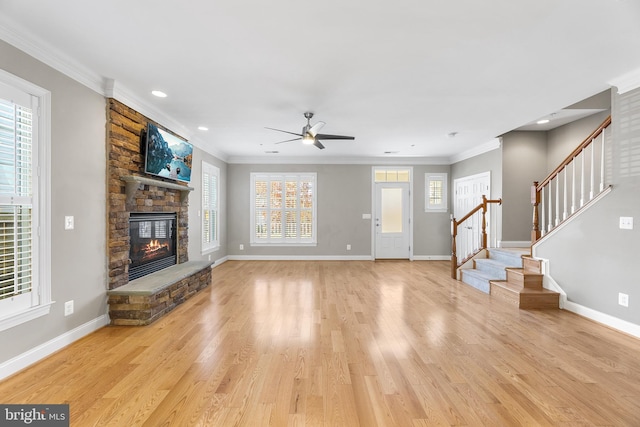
point(284, 177)
point(443, 205)
point(214, 205)
point(41, 202)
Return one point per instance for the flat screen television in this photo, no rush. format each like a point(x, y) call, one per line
point(167, 155)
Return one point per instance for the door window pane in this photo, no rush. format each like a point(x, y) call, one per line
point(391, 210)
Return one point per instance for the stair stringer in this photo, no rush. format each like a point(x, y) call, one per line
point(548, 281)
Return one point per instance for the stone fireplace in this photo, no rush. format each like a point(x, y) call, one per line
point(148, 267)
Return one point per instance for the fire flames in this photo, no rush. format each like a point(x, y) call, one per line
point(154, 248)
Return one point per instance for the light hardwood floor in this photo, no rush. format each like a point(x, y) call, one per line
point(343, 344)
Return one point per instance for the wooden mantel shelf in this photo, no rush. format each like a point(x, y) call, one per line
point(133, 183)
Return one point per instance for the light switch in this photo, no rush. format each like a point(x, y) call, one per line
point(626, 222)
point(68, 222)
point(366, 216)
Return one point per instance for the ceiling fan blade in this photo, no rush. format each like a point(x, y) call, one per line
point(313, 130)
point(318, 144)
point(325, 136)
point(286, 131)
point(288, 140)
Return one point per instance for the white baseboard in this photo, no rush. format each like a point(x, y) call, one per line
point(432, 257)
point(38, 353)
point(219, 261)
point(605, 319)
point(299, 258)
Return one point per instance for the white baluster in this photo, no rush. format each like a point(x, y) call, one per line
point(593, 173)
point(557, 200)
point(573, 186)
point(602, 164)
point(542, 214)
point(550, 209)
point(582, 179)
point(564, 212)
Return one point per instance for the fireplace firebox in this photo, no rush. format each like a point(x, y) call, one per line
point(152, 243)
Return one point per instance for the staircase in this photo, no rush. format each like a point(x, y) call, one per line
point(511, 275)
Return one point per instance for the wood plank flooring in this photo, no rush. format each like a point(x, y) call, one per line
point(339, 343)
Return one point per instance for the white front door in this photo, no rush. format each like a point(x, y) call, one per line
point(392, 227)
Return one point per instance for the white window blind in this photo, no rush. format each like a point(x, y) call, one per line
point(16, 207)
point(436, 192)
point(210, 208)
point(283, 209)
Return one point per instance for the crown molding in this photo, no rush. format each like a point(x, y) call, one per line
point(627, 82)
point(50, 56)
point(476, 151)
point(321, 160)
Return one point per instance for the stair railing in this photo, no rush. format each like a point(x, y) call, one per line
point(574, 183)
point(474, 225)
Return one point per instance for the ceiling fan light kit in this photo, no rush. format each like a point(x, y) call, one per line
point(310, 135)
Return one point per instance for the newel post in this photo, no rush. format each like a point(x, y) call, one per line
point(535, 201)
point(454, 255)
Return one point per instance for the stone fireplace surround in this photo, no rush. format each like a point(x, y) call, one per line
point(129, 190)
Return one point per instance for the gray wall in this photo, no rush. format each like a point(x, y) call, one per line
point(563, 140)
point(195, 208)
point(431, 230)
point(344, 194)
point(524, 156)
point(78, 188)
point(591, 258)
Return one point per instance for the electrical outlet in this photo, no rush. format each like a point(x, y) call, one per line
point(68, 223)
point(348, 247)
point(626, 222)
point(623, 299)
point(68, 308)
point(241, 247)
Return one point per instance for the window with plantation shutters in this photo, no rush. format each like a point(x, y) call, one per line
point(210, 201)
point(283, 209)
point(24, 294)
point(435, 192)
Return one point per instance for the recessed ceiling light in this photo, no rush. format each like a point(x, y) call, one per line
point(543, 121)
point(159, 93)
point(203, 128)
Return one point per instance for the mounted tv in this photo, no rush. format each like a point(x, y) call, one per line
point(166, 155)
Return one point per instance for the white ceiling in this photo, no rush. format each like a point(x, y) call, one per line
point(398, 76)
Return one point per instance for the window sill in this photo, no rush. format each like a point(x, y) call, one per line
point(25, 316)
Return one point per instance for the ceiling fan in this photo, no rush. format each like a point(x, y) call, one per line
point(310, 135)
